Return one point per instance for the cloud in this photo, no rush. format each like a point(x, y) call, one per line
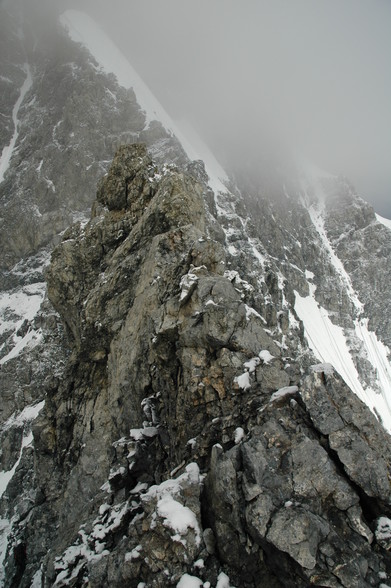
point(311, 74)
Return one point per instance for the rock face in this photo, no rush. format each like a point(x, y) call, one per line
point(364, 245)
point(163, 421)
point(183, 444)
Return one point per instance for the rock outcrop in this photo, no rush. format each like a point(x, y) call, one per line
point(186, 443)
point(166, 424)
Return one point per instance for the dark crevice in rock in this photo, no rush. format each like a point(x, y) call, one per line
point(371, 508)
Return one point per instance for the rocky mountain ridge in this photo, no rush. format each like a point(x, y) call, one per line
point(174, 371)
point(162, 424)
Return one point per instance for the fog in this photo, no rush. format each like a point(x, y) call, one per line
point(309, 75)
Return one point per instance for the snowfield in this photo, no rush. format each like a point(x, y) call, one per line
point(327, 340)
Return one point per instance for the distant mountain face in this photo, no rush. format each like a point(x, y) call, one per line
point(161, 421)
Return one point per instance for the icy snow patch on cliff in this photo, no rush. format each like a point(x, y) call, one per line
point(5, 529)
point(16, 307)
point(283, 392)
point(28, 341)
point(22, 420)
point(5, 477)
point(8, 150)
point(384, 221)
point(378, 354)
point(266, 356)
point(176, 516)
point(188, 581)
point(20, 305)
point(329, 344)
point(316, 213)
point(28, 414)
point(328, 340)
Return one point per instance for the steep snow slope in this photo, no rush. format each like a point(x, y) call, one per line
point(384, 221)
point(16, 307)
point(329, 344)
point(328, 340)
point(8, 149)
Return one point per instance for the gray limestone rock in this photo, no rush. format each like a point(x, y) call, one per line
point(302, 496)
point(184, 433)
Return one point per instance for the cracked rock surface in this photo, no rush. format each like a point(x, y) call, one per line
point(183, 439)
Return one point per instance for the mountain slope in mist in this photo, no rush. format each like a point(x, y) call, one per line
point(83, 29)
point(184, 350)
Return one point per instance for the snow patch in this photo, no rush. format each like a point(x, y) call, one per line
point(30, 340)
point(252, 312)
point(239, 435)
point(329, 344)
point(177, 517)
point(28, 414)
point(37, 579)
point(5, 528)
point(383, 529)
point(138, 434)
point(266, 356)
point(243, 381)
point(20, 305)
point(9, 149)
point(252, 364)
point(384, 221)
point(134, 554)
point(326, 368)
point(16, 307)
point(83, 29)
point(223, 581)
point(22, 420)
point(6, 477)
point(187, 285)
point(316, 213)
point(328, 340)
point(91, 547)
point(188, 581)
point(282, 392)
point(210, 302)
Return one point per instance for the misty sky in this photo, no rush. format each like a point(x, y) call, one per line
point(312, 74)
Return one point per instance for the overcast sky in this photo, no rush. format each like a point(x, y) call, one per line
point(313, 73)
